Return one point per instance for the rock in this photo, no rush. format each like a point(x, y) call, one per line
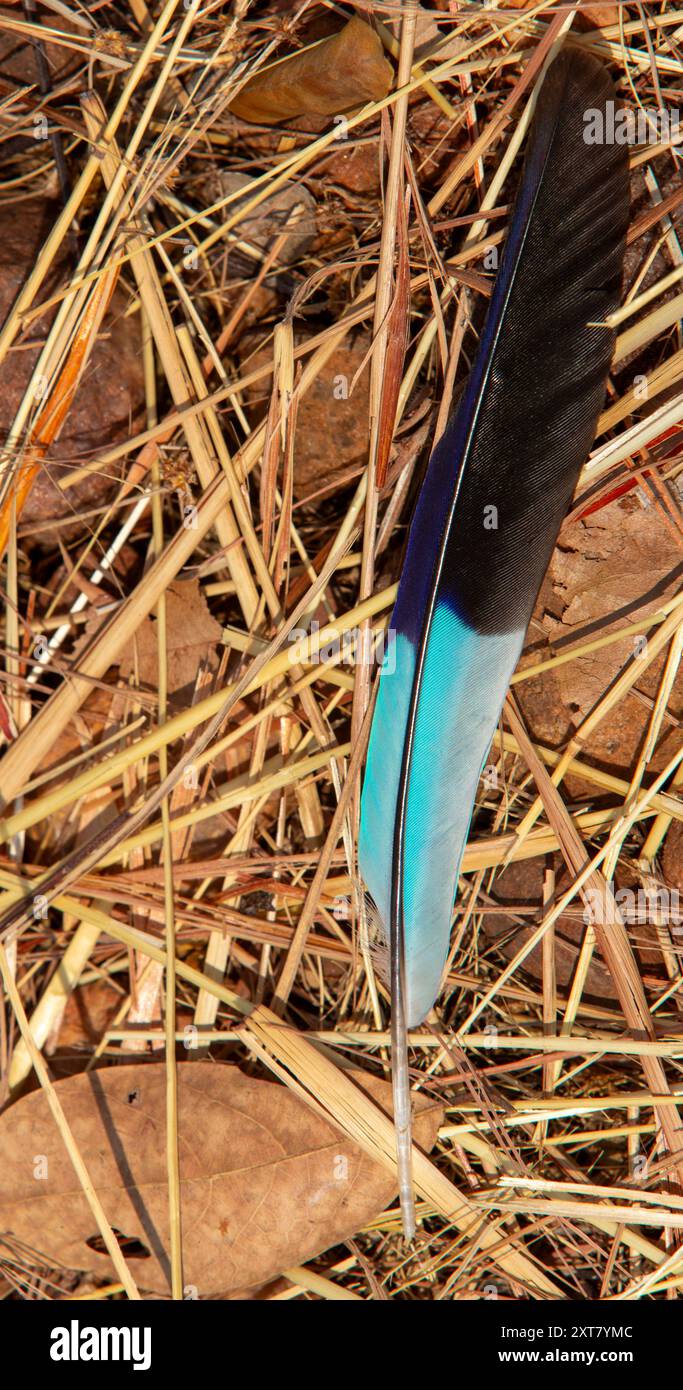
point(331, 443)
point(353, 167)
point(292, 207)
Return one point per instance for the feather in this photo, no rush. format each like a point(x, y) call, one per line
point(494, 495)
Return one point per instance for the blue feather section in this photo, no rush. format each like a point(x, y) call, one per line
point(463, 687)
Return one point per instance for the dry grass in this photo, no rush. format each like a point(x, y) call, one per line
point(202, 855)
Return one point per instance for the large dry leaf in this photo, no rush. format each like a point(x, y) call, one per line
point(266, 1182)
point(325, 79)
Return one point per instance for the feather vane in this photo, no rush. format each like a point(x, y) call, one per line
point(496, 489)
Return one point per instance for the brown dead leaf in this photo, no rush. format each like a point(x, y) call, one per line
point(266, 1183)
point(611, 569)
point(325, 79)
point(191, 637)
point(55, 409)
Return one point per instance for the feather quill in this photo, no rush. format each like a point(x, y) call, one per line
point(496, 489)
